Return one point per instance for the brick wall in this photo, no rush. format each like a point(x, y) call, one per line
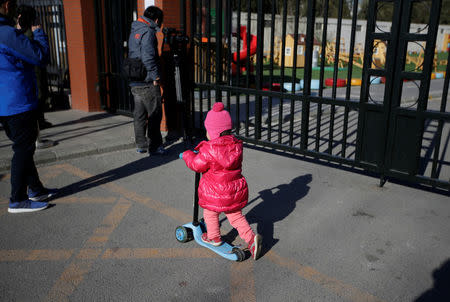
point(82, 57)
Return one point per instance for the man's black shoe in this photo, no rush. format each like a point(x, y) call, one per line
point(44, 124)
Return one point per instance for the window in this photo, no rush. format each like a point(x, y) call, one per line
point(287, 51)
point(300, 50)
point(358, 27)
point(319, 26)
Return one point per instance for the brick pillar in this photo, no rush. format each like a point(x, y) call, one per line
point(171, 10)
point(82, 54)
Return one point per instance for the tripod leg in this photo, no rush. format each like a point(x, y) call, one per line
point(180, 101)
point(178, 85)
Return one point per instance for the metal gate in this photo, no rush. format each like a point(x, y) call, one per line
point(279, 66)
point(113, 24)
point(51, 16)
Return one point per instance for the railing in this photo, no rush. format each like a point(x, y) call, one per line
point(113, 25)
point(281, 83)
point(51, 16)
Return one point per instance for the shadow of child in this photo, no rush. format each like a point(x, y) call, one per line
point(277, 203)
point(441, 290)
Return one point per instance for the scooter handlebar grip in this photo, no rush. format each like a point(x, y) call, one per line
point(181, 154)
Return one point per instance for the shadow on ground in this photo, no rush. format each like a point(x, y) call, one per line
point(275, 205)
point(441, 286)
point(90, 118)
point(143, 164)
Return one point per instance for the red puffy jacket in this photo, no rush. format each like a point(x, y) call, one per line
point(222, 187)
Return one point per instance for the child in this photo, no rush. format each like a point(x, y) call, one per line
point(222, 187)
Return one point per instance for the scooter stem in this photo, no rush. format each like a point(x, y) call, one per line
point(195, 218)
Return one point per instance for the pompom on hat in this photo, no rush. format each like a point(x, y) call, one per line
point(217, 120)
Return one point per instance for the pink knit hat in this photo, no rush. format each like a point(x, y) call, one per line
point(217, 120)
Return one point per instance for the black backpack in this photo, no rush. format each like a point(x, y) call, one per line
point(134, 70)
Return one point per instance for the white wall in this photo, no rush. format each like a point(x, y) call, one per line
point(148, 3)
point(360, 34)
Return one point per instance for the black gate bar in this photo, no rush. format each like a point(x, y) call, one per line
point(348, 130)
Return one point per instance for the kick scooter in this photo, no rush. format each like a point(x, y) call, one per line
point(196, 228)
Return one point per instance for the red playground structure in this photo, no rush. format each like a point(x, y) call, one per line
point(241, 56)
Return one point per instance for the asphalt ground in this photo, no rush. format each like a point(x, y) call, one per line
point(329, 234)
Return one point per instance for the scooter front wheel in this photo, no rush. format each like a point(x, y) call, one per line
point(239, 254)
point(183, 234)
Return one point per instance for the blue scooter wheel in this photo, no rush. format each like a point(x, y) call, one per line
point(183, 234)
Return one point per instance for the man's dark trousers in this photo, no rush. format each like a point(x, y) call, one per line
point(22, 131)
point(147, 116)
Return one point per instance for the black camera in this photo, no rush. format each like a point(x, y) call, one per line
point(176, 39)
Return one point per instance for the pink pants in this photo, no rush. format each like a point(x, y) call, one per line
point(236, 219)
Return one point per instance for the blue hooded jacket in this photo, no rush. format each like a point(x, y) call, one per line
point(143, 44)
point(18, 55)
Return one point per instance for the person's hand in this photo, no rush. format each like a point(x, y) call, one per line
point(35, 27)
point(36, 24)
point(18, 22)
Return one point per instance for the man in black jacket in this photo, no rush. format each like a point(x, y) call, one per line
point(143, 44)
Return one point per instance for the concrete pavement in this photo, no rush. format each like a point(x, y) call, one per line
point(329, 234)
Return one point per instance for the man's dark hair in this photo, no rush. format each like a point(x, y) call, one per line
point(27, 16)
point(153, 13)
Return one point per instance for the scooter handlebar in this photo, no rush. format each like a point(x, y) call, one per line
point(181, 154)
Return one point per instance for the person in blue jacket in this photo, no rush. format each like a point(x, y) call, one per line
point(143, 44)
point(18, 107)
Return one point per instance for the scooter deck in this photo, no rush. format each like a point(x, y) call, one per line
point(225, 249)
